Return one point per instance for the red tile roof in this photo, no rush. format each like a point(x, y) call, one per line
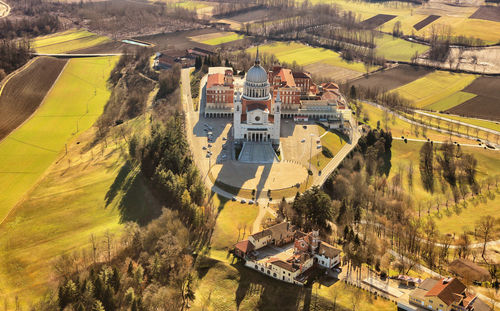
point(244, 246)
point(446, 290)
point(287, 77)
point(330, 86)
point(215, 79)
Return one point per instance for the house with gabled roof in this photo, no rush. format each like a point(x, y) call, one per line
point(446, 294)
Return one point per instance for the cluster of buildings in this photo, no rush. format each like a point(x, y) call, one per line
point(287, 254)
point(265, 97)
point(446, 294)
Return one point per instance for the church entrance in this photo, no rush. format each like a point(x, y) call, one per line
point(258, 137)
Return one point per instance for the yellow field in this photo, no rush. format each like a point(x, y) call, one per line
point(434, 87)
point(67, 41)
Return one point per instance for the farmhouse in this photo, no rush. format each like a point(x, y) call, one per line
point(285, 253)
point(269, 96)
point(446, 294)
point(469, 270)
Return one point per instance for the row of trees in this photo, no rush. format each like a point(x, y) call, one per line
point(13, 54)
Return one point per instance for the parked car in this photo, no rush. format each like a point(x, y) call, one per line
point(251, 202)
point(243, 201)
point(233, 199)
point(303, 141)
point(224, 138)
point(304, 126)
point(204, 148)
point(318, 146)
point(209, 145)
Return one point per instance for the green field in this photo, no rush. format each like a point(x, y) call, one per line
point(478, 122)
point(58, 197)
point(76, 100)
point(396, 49)
point(192, 5)
point(434, 87)
point(224, 39)
point(451, 101)
point(334, 143)
point(67, 41)
point(400, 128)
point(305, 55)
point(234, 222)
point(402, 154)
point(57, 217)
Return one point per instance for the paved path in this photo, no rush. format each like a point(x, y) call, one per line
point(4, 9)
point(337, 159)
point(458, 122)
point(442, 142)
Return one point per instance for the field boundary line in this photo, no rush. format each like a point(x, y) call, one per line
point(15, 72)
point(41, 103)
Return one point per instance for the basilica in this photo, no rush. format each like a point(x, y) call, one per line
point(256, 112)
point(258, 101)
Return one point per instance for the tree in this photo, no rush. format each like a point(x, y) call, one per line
point(485, 227)
point(426, 166)
point(314, 208)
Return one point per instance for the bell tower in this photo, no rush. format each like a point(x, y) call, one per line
point(277, 119)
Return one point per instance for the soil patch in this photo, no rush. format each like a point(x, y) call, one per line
point(390, 79)
point(485, 105)
point(426, 21)
point(337, 74)
point(178, 40)
point(25, 91)
point(105, 48)
point(251, 16)
point(489, 13)
point(377, 20)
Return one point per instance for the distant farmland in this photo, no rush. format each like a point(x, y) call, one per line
point(24, 92)
point(68, 41)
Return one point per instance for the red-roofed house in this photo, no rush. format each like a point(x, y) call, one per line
point(220, 93)
point(446, 294)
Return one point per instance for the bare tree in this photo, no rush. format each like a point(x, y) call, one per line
point(485, 227)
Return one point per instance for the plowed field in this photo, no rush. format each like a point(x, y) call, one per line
point(24, 92)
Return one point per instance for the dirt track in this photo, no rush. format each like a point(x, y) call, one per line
point(24, 92)
point(4, 9)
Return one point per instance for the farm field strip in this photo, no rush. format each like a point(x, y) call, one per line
point(451, 101)
point(434, 87)
point(397, 49)
point(68, 41)
point(21, 95)
point(392, 78)
point(217, 38)
point(75, 101)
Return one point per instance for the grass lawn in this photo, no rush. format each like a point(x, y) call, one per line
point(234, 222)
point(224, 39)
point(57, 216)
point(67, 41)
point(434, 87)
point(397, 49)
point(334, 143)
point(451, 101)
point(305, 55)
point(478, 122)
point(400, 128)
point(27, 152)
point(223, 286)
point(464, 219)
point(488, 164)
point(192, 5)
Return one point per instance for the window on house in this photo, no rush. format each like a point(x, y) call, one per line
point(268, 272)
point(256, 267)
point(274, 274)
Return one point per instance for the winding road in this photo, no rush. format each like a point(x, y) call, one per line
point(4, 9)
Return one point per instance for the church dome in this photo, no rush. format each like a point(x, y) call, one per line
point(256, 74)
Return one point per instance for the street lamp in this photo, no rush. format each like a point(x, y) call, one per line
point(310, 152)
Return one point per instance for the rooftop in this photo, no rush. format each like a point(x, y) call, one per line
point(446, 290)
